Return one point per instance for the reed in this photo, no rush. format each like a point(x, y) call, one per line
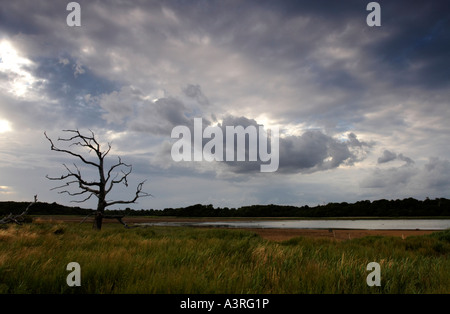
point(33, 259)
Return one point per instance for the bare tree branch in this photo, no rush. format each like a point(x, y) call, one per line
point(106, 153)
point(87, 198)
point(123, 178)
point(78, 193)
point(139, 194)
point(117, 173)
point(120, 163)
point(54, 148)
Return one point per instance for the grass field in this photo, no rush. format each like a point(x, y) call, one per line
point(33, 259)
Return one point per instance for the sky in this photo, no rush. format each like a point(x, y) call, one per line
point(363, 111)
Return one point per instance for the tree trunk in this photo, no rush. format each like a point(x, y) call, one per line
point(101, 205)
point(98, 221)
point(99, 215)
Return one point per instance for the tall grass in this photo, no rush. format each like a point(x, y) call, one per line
point(33, 259)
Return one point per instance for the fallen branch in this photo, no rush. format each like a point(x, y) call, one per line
point(119, 218)
point(18, 219)
point(87, 217)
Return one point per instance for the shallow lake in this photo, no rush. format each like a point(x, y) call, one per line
point(374, 224)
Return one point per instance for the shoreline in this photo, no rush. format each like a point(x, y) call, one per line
point(273, 234)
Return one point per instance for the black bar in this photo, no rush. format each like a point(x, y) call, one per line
point(222, 303)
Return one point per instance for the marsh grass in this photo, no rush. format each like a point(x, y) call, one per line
point(33, 259)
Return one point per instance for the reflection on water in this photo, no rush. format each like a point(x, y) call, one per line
point(374, 224)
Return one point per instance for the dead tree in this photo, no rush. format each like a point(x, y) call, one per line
point(107, 178)
point(17, 219)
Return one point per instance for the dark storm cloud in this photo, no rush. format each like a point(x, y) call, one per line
point(280, 37)
point(26, 16)
point(315, 151)
point(310, 152)
point(416, 49)
point(284, 37)
point(413, 33)
point(71, 86)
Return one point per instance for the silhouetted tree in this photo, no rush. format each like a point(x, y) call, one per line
point(106, 178)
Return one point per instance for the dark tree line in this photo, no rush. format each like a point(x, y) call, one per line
point(379, 208)
point(409, 207)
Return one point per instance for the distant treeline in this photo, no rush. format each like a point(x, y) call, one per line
point(380, 208)
point(41, 209)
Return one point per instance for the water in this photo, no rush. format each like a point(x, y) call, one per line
point(369, 224)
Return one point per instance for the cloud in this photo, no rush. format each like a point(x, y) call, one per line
point(412, 52)
point(17, 77)
point(138, 111)
point(315, 151)
point(78, 69)
point(437, 174)
point(64, 61)
point(310, 152)
point(5, 189)
point(431, 179)
point(119, 105)
point(405, 159)
point(386, 157)
point(336, 88)
point(194, 91)
point(390, 156)
point(392, 179)
point(161, 116)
